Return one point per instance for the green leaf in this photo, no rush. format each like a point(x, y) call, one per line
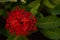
point(48, 4)
point(49, 22)
point(10, 37)
point(56, 10)
point(34, 6)
point(55, 1)
point(8, 0)
point(52, 33)
point(34, 10)
point(14, 37)
point(7, 34)
point(13, 0)
point(20, 38)
point(34, 3)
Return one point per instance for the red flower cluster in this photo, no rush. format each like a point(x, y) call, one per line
point(20, 22)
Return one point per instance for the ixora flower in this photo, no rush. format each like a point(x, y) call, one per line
point(20, 22)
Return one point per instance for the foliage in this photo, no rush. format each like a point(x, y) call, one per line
point(49, 25)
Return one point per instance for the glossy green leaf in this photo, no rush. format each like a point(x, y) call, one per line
point(55, 1)
point(34, 10)
point(49, 22)
point(48, 4)
point(56, 10)
point(52, 33)
point(34, 3)
point(34, 6)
